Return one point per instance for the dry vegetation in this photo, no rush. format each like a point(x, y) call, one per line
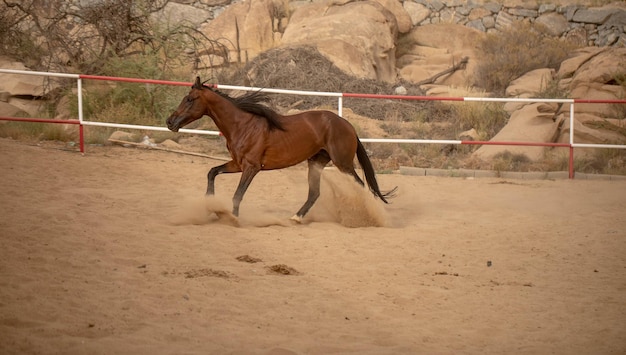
point(519, 49)
point(304, 68)
point(129, 44)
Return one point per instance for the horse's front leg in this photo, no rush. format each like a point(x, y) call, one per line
point(248, 173)
point(229, 167)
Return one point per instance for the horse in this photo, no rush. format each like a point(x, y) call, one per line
point(258, 138)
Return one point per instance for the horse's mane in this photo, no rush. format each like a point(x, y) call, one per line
point(252, 102)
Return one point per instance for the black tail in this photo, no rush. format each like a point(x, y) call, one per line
point(370, 176)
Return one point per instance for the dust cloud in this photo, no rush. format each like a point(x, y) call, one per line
point(344, 201)
point(341, 201)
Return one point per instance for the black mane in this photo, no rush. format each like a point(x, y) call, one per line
point(252, 102)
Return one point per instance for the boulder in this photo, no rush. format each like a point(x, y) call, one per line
point(469, 135)
point(64, 108)
point(569, 66)
point(600, 68)
point(430, 49)
point(595, 79)
point(211, 3)
point(589, 74)
point(30, 106)
point(8, 110)
point(521, 4)
point(478, 13)
point(595, 15)
point(175, 13)
point(504, 20)
point(123, 136)
point(520, 12)
point(451, 91)
point(20, 85)
point(403, 19)
point(555, 23)
point(531, 83)
point(592, 129)
point(618, 18)
point(21, 91)
point(363, 45)
point(578, 37)
point(597, 91)
point(244, 29)
point(417, 12)
point(532, 123)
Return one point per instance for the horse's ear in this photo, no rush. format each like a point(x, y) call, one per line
point(197, 84)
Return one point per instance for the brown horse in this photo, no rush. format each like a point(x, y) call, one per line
point(258, 139)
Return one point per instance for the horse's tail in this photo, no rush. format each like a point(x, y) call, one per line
point(370, 176)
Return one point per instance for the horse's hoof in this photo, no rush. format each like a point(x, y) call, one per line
point(228, 218)
point(296, 218)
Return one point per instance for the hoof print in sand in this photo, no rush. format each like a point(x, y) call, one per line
point(248, 259)
point(282, 269)
point(192, 274)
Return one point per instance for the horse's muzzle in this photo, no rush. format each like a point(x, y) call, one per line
point(172, 124)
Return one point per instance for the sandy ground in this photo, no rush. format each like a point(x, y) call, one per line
point(114, 252)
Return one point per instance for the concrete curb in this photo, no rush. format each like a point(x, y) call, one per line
point(469, 173)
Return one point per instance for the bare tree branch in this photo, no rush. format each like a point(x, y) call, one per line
point(455, 67)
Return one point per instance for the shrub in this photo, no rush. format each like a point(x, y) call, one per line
point(37, 131)
point(515, 51)
point(487, 118)
point(601, 161)
point(508, 161)
point(552, 90)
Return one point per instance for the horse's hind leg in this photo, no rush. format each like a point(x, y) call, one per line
point(342, 153)
point(355, 175)
point(348, 168)
point(316, 165)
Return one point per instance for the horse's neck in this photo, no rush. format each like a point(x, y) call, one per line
point(224, 114)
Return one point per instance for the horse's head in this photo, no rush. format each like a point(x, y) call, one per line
point(190, 109)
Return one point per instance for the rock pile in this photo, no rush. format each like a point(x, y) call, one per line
point(586, 75)
point(366, 45)
point(590, 26)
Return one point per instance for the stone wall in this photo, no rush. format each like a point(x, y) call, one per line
point(590, 26)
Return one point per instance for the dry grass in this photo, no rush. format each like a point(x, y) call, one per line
point(37, 131)
point(518, 50)
point(304, 68)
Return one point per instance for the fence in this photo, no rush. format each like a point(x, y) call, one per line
point(81, 122)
